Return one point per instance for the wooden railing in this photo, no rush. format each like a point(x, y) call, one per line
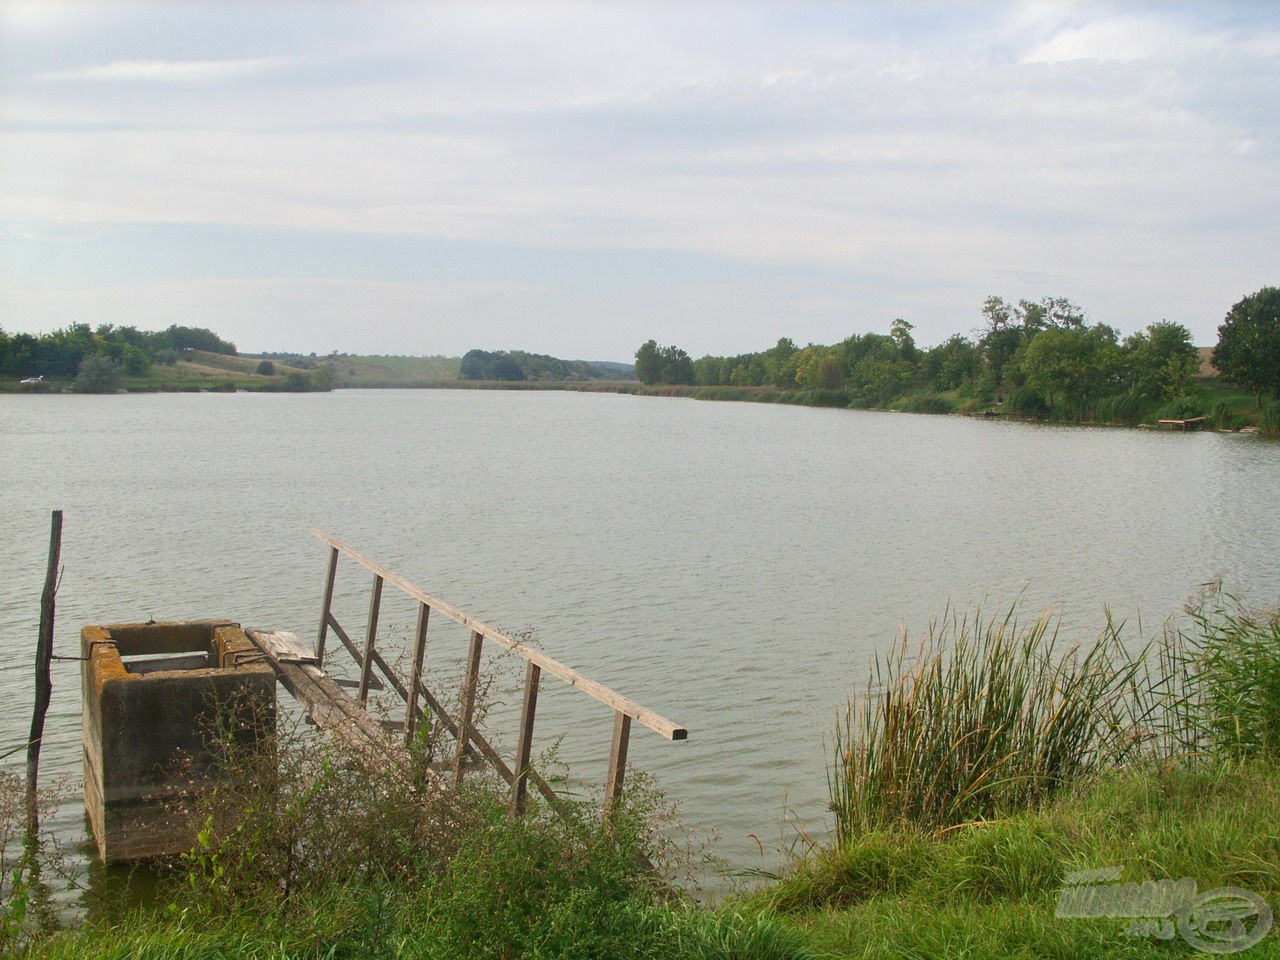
point(462, 728)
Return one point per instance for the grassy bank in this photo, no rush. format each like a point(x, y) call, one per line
point(975, 771)
point(1223, 407)
point(979, 768)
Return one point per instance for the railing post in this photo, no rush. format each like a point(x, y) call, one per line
point(415, 674)
point(327, 610)
point(366, 665)
point(617, 758)
point(524, 742)
point(469, 684)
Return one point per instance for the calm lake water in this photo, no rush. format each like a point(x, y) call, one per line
point(732, 566)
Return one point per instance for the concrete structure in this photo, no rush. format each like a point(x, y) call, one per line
point(153, 693)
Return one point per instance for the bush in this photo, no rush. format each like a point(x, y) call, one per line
point(97, 374)
point(266, 369)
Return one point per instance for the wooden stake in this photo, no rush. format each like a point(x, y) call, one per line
point(328, 605)
point(467, 712)
point(617, 758)
point(371, 637)
point(524, 742)
point(415, 675)
point(44, 685)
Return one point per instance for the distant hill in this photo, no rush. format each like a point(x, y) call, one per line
point(351, 370)
point(517, 365)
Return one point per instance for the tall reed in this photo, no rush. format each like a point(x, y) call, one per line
point(985, 716)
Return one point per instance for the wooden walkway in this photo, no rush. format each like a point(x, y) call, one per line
point(301, 670)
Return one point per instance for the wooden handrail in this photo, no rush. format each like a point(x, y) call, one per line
point(615, 700)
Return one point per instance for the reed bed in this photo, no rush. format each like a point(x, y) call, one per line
point(986, 715)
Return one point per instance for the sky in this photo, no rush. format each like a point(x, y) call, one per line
point(575, 179)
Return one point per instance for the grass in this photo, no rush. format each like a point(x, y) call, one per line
point(985, 714)
point(976, 772)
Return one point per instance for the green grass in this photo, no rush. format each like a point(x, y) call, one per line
point(990, 889)
point(974, 773)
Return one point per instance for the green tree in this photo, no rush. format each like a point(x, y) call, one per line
point(266, 369)
point(780, 363)
point(1248, 350)
point(136, 363)
point(1074, 364)
point(648, 363)
point(1160, 361)
point(98, 375)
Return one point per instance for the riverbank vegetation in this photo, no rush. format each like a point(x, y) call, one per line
point(975, 771)
point(1031, 359)
point(111, 359)
point(973, 774)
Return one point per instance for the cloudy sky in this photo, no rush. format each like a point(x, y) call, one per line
point(574, 179)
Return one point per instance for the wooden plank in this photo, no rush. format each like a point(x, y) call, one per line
point(370, 638)
point(617, 758)
point(524, 740)
point(337, 714)
point(469, 684)
point(328, 604)
point(599, 691)
point(415, 673)
point(286, 647)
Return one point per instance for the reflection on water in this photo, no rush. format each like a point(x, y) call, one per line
point(731, 566)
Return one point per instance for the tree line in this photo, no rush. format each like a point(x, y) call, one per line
point(517, 365)
point(1035, 358)
point(62, 353)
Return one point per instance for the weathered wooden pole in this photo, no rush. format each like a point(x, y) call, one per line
point(44, 685)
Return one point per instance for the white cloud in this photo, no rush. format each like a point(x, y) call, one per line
point(166, 71)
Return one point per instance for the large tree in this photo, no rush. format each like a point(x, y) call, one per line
point(1076, 364)
point(1248, 350)
point(1160, 361)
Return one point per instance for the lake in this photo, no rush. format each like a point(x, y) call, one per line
point(732, 566)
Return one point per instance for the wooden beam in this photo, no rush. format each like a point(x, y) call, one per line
point(327, 606)
point(336, 713)
point(469, 685)
point(415, 674)
point(599, 691)
point(617, 758)
point(524, 741)
point(370, 638)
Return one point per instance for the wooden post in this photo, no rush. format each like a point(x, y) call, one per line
point(415, 675)
point(327, 612)
point(44, 685)
point(366, 664)
point(524, 742)
point(617, 758)
point(469, 684)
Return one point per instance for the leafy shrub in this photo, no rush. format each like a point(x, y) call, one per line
point(266, 369)
point(97, 374)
